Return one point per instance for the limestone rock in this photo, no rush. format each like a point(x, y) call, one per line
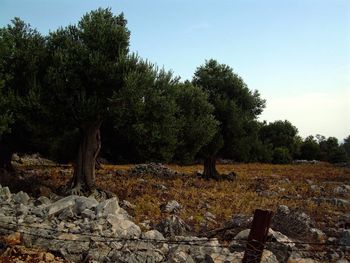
point(278, 243)
point(5, 193)
point(107, 207)
point(341, 190)
point(158, 240)
point(318, 235)
point(21, 198)
point(87, 213)
point(82, 203)
point(180, 256)
point(173, 226)
point(42, 200)
point(172, 207)
point(135, 252)
point(152, 168)
point(66, 214)
point(154, 234)
point(61, 204)
point(123, 228)
point(291, 223)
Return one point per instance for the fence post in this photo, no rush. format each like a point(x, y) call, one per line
point(257, 236)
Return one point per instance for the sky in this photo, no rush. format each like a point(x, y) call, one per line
point(296, 53)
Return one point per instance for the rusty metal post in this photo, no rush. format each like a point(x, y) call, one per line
point(257, 236)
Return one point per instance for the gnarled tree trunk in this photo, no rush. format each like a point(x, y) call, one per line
point(84, 167)
point(210, 171)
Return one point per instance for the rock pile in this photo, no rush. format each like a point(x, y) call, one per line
point(292, 223)
point(31, 159)
point(156, 169)
point(81, 228)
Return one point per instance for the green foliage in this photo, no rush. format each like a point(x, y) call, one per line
point(63, 147)
point(198, 125)
point(281, 155)
point(346, 146)
point(22, 67)
point(331, 151)
point(280, 134)
point(5, 114)
point(86, 67)
point(145, 123)
point(155, 128)
point(339, 155)
point(309, 150)
point(235, 107)
point(52, 88)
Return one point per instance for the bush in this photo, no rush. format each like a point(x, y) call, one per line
point(338, 156)
point(281, 155)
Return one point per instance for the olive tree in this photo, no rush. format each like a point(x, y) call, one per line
point(87, 68)
point(235, 107)
point(22, 70)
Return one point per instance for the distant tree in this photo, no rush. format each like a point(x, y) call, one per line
point(310, 149)
point(346, 146)
point(235, 106)
point(22, 68)
point(87, 68)
point(331, 151)
point(280, 134)
point(258, 151)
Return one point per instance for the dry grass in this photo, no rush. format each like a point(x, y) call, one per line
point(222, 198)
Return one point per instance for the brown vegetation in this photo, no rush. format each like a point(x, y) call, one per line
point(257, 186)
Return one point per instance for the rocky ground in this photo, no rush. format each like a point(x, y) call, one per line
point(162, 222)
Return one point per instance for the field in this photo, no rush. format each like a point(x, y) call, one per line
point(257, 186)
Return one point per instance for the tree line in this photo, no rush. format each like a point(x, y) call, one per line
point(79, 93)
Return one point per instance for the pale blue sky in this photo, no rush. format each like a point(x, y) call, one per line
point(295, 52)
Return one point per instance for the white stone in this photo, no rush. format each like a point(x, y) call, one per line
point(123, 228)
point(109, 206)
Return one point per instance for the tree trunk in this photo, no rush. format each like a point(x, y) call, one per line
point(84, 167)
point(210, 171)
point(5, 157)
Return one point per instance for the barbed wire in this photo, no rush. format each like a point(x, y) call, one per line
point(198, 240)
point(121, 244)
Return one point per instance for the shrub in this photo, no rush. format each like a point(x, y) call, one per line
point(281, 155)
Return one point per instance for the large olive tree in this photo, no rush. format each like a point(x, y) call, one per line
point(87, 68)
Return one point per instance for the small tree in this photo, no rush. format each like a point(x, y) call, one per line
point(281, 134)
point(87, 67)
point(235, 106)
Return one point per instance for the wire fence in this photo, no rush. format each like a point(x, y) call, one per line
point(142, 249)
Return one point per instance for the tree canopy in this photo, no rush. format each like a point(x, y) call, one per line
point(87, 65)
point(79, 88)
point(235, 107)
point(22, 65)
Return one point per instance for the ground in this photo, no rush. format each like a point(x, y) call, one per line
point(256, 186)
